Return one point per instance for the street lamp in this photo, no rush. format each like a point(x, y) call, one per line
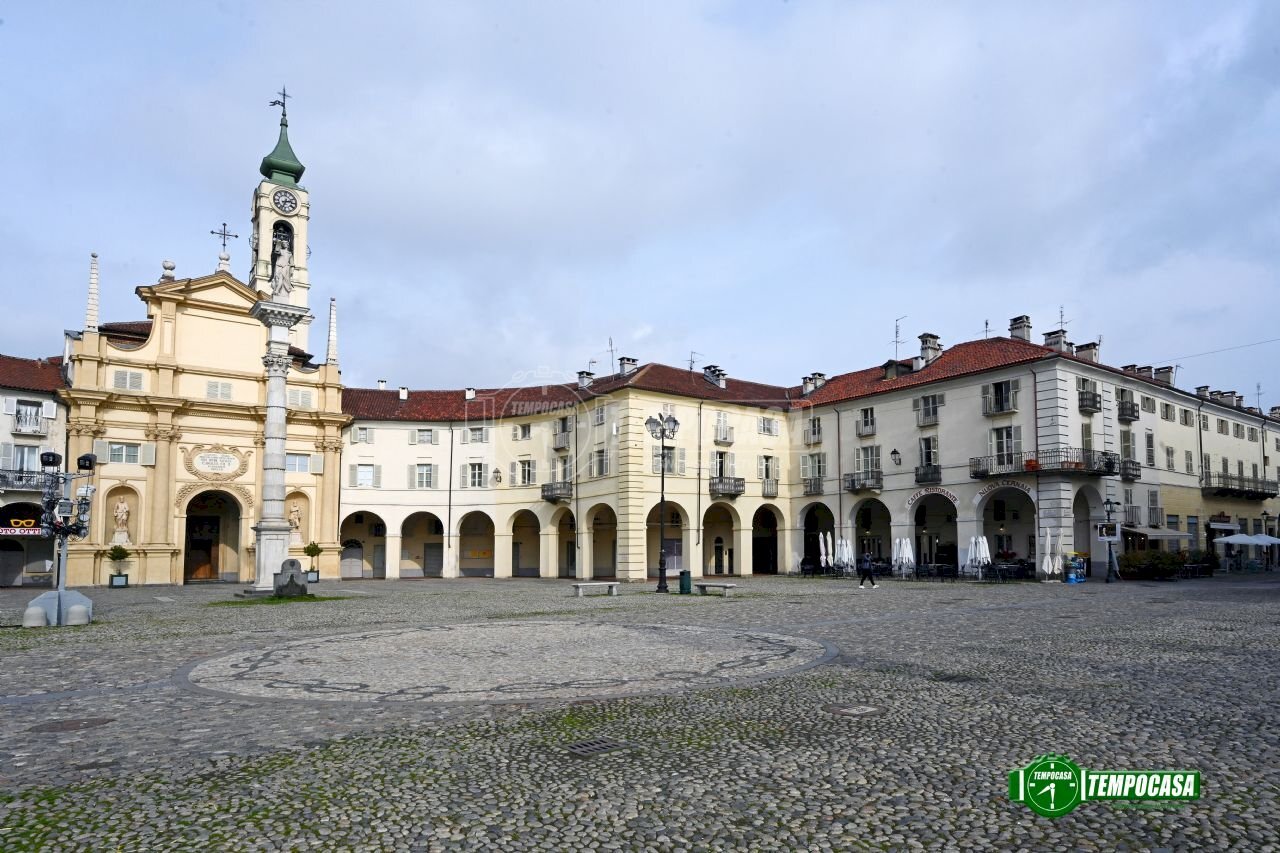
point(662, 429)
point(1110, 506)
point(65, 516)
point(1266, 531)
point(895, 456)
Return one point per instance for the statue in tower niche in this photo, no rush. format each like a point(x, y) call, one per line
point(121, 513)
point(282, 276)
point(295, 524)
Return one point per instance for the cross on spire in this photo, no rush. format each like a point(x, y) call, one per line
point(282, 102)
point(225, 235)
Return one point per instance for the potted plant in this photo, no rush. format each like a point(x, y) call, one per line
point(1032, 465)
point(118, 556)
point(312, 550)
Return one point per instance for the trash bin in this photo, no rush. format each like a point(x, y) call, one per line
point(686, 582)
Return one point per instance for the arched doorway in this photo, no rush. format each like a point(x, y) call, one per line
point(667, 532)
point(566, 544)
point(873, 529)
point(1008, 519)
point(935, 531)
point(1086, 510)
point(211, 545)
point(818, 522)
point(719, 523)
point(26, 557)
point(526, 552)
point(422, 540)
point(364, 546)
point(604, 542)
point(13, 561)
point(475, 545)
point(764, 541)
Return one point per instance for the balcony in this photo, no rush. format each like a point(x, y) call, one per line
point(1233, 486)
point(999, 405)
point(32, 481)
point(864, 480)
point(1055, 460)
point(865, 428)
point(30, 426)
point(928, 473)
point(1155, 516)
point(1130, 470)
point(560, 441)
point(1133, 516)
point(727, 487)
point(1127, 411)
point(724, 435)
point(812, 485)
point(561, 491)
point(926, 418)
point(1090, 402)
point(813, 436)
point(769, 488)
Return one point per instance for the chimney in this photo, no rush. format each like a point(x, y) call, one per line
point(819, 379)
point(1253, 410)
point(1020, 328)
point(1215, 396)
point(711, 373)
point(168, 267)
point(1057, 340)
point(1144, 372)
point(584, 378)
point(806, 385)
point(1164, 375)
point(722, 378)
point(626, 365)
point(1130, 368)
point(382, 384)
point(1202, 390)
point(930, 347)
point(404, 393)
point(1275, 412)
point(917, 363)
point(469, 394)
point(1088, 352)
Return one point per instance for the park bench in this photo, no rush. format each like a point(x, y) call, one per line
point(703, 587)
point(579, 587)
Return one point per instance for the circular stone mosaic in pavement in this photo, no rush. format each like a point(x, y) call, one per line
point(505, 662)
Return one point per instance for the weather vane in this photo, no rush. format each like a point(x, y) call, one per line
point(282, 101)
point(225, 235)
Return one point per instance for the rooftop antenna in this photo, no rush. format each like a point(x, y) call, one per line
point(897, 335)
point(1258, 395)
point(986, 329)
point(591, 362)
point(1062, 320)
point(693, 356)
point(613, 364)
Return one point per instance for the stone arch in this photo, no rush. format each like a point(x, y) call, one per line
point(24, 559)
point(602, 536)
point(1087, 510)
point(816, 520)
point(526, 544)
point(935, 533)
point(1007, 518)
point(674, 526)
point(476, 541)
point(364, 545)
point(297, 507)
point(872, 526)
point(721, 534)
point(563, 525)
point(211, 539)
point(422, 541)
point(133, 525)
point(765, 554)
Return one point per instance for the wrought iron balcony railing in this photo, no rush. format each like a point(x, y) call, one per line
point(999, 405)
point(557, 491)
point(1231, 485)
point(926, 418)
point(928, 473)
point(769, 488)
point(1130, 470)
point(1068, 460)
point(22, 480)
point(728, 487)
point(1133, 515)
point(866, 428)
point(560, 441)
point(813, 485)
point(812, 436)
point(863, 480)
point(1127, 411)
point(724, 435)
point(1090, 402)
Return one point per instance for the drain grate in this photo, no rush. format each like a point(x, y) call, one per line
point(595, 746)
point(855, 710)
point(72, 725)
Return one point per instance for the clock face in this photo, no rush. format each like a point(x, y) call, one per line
point(285, 201)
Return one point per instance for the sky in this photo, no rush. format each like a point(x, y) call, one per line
point(503, 188)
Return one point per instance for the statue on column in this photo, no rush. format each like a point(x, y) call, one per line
point(121, 513)
point(282, 277)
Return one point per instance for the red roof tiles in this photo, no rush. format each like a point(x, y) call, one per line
point(31, 374)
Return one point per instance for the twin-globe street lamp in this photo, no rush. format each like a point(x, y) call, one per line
point(662, 429)
point(1110, 506)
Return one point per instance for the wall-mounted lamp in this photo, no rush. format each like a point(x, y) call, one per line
point(895, 456)
point(497, 475)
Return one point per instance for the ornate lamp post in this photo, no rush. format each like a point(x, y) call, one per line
point(1110, 506)
point(662, 429)
point(65, 516)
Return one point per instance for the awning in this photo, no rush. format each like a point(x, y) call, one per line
point(1220, 525)
point(1157, 532)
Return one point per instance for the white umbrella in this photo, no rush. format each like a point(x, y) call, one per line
point(1237, 539)
point(1057, 557)
point(985, 551)
point(822, 550)
point(1266, 539)
point(907, 556)
point(896, 558)
point(1046, 565)
point(831, 551)
point(971, 556)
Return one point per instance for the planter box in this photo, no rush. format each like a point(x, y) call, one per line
point(313, 576)
point(117, 581)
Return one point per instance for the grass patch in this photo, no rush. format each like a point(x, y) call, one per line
point(271, 599)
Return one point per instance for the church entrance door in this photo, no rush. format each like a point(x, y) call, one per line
point(202, 548)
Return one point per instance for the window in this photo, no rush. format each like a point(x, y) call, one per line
point(1237, 430)
point(1255, 470)
point(722, 464)
point(674, 460)
point(1239, 467)
point(365, 476)
point(424, 436)
point(1226, 465)
point(299, 398)
point(528, 472)
point(1005, 444)
point(424, 476)
point(522, 432)
point(565, 424)
point(867, 416)
point(1168, 459)
point(767, 426)
point(597, 415)
point(1206, 464)
point(1086, 435)
point(1166, 411)
point(121, 452)
point(929, 450)
point(926, 408)
point(476, 435)
point(1126, 444)
point(26, 457)
point(1148, 403)
point(475, 475)
point(767, 467)
point(1151, 448)
point(1204, 423)
point(1193, 527)
point(867, 459)
point(362, 435)
point(669, 409)
point(600, 461)
point(1186, 417)
point(1000, 397)
point(297, 463)
point(27, 418)
point(1253, 433)
point(1173, 522)
point(1223, 429)
point(217, 390)
point(815, 425)
point(1191, 462)
point(1083, 384)
point(813, 466)
point(126, 380)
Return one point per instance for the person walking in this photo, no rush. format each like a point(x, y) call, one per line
point(864, 571)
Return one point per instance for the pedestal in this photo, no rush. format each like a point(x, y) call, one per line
point(272, 551)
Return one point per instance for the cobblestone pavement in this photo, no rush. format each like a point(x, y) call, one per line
point(108, 743)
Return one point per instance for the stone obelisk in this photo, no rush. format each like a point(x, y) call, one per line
point(273, 529)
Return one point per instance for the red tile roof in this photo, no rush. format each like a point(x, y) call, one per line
point(31, 374)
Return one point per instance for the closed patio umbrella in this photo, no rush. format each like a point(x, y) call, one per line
point(822, 550)
point(1046, 565)
point(831, 551)
point(908, 557)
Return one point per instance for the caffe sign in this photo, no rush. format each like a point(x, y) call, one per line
point(932, 490)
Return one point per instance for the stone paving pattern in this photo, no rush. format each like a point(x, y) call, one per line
point(972, 681)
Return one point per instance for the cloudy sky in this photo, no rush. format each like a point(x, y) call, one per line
point(502, 187)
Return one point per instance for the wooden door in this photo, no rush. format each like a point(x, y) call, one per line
point(203, 536)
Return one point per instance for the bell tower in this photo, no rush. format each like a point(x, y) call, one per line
point(281, 211)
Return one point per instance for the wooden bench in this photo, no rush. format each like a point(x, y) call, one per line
point(703, 587)
point(578, 587)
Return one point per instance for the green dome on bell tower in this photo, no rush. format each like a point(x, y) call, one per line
point(281, 166)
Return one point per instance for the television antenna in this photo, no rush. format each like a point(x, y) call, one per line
point(613, 363)
point(693, 356)
point(897, 335)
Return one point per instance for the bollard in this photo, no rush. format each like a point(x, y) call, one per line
point(77, 614)
point(34, 617)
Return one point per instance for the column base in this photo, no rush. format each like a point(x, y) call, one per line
point(271, 552)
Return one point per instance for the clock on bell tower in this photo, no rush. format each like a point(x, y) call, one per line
point(278, 243)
